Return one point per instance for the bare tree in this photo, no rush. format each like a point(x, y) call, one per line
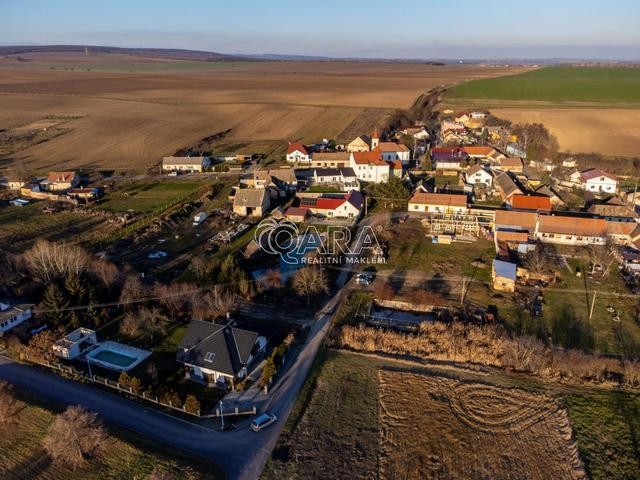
point(106, 272)
point(8, 403)
point(602, 255)
point(177, 298)
point(50, 260)
point(219, 301)
point(74, 437)
point(309, 281)
point(147, 323)
point(537, 261)
point(132, 291)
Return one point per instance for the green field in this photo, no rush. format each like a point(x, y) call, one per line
point(581, 85)
point(147, 197)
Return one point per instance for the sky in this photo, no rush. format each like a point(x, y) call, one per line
point(460, 29)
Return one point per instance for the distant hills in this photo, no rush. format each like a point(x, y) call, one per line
point(205, 56)
point(168, 53)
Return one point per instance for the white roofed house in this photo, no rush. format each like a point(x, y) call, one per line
point(219, 355)
point(185, 164)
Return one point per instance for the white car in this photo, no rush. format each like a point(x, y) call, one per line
point(172, 174)
point(263, 421)
point(157, 254)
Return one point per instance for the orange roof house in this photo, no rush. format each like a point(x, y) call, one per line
point(530, 202)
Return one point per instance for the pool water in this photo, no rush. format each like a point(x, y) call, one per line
point(114, 358)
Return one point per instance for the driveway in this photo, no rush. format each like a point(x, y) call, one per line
point(241, 453)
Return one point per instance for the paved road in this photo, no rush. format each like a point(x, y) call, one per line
point(242, 453)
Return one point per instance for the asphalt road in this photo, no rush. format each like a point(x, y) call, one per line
point(241, 453)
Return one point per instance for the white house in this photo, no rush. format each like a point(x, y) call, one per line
point(476, 175)
point(391, 151)
point(599, 181)
point(347, 205)
point(298, 153)
point(13, 315)
point(185, 164)
point(571, 230)
point(438, 203)
point(219, 355)
point(75, 343)
point(369, 166)
point(345, 177)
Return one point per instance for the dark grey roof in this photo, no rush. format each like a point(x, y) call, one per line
point(230, 347)
point(327, 172)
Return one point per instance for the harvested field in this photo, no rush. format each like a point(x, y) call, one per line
point(131, 112)
point(433, 427)
point(608, 131)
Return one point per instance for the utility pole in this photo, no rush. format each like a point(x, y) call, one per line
point(593, 303)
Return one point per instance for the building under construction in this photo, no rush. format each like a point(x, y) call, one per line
point(471, 223)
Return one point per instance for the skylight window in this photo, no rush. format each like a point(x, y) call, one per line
point(209, 357)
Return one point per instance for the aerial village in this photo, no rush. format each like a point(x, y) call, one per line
point(459, 182)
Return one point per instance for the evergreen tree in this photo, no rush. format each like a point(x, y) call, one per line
point(55, 304)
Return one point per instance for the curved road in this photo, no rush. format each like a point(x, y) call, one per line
point(241, 453)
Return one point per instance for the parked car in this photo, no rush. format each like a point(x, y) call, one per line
point(263, 421)
point(173, 174)
point(157, 254)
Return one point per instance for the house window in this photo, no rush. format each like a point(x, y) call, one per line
point(209, 356)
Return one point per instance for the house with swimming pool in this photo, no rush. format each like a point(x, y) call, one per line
point(219, 355)
point(83, 344)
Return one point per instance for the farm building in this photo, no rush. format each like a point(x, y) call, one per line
point(250, 202)
point(185, 164)
point(219, 355)
point(614, 210)
point(297, 214)
point(571, 230)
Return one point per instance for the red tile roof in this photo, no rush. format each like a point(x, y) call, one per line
point(61, 176)
point(478, 150)
point(584, 227)
point(511, 219)
point(372, 157)
point(301, 147)
point(528, 202)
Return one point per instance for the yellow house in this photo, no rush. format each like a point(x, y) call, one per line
point(360, 144)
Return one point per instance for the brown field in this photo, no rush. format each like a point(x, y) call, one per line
point(609, 131)
point(437, 428)
point(129, 112)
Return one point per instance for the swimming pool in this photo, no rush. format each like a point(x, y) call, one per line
point(116, 356)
